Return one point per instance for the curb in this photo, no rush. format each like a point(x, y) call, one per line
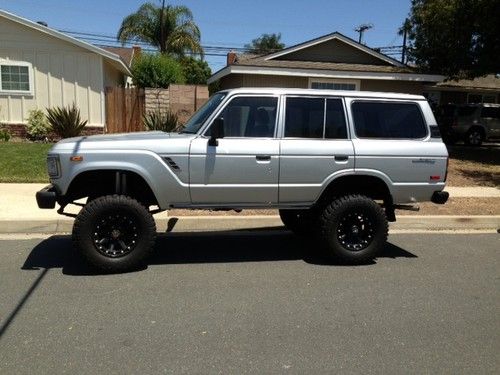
point(217, 223)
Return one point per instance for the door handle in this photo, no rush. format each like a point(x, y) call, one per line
point(263, 157)
point(341, 157)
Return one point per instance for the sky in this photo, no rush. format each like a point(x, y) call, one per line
point(232, 23)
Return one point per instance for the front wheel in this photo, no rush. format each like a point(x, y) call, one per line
point(114, 233)
point(353, 229)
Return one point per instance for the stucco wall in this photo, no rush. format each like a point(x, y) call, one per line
point(256, 80)
point(405, 87)
point(63, 73)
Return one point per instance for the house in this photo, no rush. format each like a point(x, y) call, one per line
point(41, 68)
point(333, 61)
point(478, 90)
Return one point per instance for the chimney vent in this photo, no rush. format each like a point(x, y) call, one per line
point(232, 58)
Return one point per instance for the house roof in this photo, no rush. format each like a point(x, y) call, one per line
point(328, 37)
point(489, 82)
point(263, 61)
point(126, 54)
point(278, 64)
point(113, 58)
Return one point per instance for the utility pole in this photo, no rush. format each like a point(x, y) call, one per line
point(162, 36)
point(361, 29)
point(406, 27)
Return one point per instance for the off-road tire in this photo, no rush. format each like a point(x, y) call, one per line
point(114, 220)
point(300, 222)
point(347, 223)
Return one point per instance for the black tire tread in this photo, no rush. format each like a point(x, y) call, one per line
point(94, 206)
point(328, 215)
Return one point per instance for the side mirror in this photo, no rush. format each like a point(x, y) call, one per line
point(216, 131)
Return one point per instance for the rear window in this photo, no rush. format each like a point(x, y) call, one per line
point(388, 120)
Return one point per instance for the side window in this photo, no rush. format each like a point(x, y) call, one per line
point(306, 118)
point(335, 125)
point(490, 112)
point(388, 120)
point(250, 117)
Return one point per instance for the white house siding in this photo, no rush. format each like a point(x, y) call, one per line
point(63, 74)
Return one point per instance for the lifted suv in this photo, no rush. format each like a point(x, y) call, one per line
point(335, 163)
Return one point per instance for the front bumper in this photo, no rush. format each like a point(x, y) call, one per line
point(440, 197)
point(47, 197)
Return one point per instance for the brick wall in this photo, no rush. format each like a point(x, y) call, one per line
point(183, 100)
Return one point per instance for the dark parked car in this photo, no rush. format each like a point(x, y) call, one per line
point(472, 123)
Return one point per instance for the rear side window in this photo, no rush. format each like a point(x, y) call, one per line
point(388, 120)
point(490, 112)
point(315, 118)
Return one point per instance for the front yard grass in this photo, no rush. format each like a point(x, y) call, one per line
point(474, 166)
point(23, 162)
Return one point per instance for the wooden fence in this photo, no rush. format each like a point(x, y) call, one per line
point(124, 109)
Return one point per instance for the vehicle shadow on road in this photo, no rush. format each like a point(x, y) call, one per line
point(258, 245)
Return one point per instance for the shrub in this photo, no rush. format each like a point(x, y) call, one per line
point(37, 125)
point(164, 121)
point(65, 121)
point(4, 135)
point(196, 72)
point(156, 71)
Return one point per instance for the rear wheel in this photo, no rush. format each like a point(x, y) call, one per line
point(353, 229)
point(474, 137)
point(114, 233)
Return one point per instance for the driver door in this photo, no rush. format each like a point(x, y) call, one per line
point(243, 168)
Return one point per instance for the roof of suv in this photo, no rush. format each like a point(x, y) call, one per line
point(346, 93)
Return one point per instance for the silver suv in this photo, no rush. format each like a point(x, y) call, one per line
point(335, 163)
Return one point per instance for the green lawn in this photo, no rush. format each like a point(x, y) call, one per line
point(23, 162)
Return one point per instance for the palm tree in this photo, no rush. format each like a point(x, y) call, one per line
point(171, 29)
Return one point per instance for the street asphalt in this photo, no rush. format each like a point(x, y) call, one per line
point(259, 301)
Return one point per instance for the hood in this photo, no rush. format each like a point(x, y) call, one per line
point(151, 140)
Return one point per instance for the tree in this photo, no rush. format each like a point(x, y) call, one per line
point(171, 29)
point(457, 38)
point(266, 43)
point(195, 71)
point(156, 70)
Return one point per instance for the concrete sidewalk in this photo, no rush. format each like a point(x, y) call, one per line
point(19, 213)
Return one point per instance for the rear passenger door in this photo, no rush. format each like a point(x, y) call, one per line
point(314, 145)
point(391, 138)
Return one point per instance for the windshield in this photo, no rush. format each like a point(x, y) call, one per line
point(194, 124)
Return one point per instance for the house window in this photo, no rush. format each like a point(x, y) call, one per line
point(333, 84)
point(16, 78)
point(481, 98)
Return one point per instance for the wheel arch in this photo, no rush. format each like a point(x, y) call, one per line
point(372, 184)
point(91, 182)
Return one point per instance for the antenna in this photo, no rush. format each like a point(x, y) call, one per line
point(361, 29)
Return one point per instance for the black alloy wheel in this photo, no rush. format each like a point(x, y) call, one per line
point(114, 233)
